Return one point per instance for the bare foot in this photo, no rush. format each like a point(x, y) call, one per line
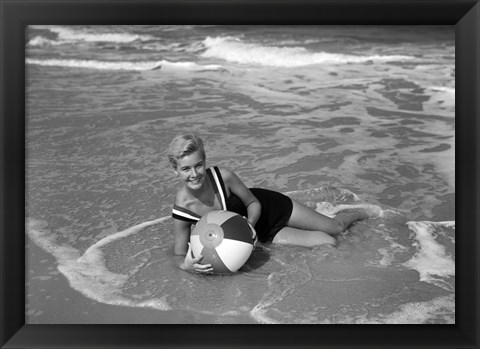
point(372, 211)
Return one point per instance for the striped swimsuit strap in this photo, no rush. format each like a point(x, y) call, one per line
point(184, 214)
point(220, 189)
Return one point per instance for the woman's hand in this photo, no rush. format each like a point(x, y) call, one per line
point(254, 233)
point(192, 264)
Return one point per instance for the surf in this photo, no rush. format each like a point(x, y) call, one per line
point(373, 260)
point(122, 65)
point(235, 50)
point(72, 35)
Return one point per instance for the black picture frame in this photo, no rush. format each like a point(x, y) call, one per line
point(17, 14)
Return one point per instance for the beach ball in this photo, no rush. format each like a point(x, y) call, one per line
point(224, 239)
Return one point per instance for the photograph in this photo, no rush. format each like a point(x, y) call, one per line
point(237, 174)
point(240, 174)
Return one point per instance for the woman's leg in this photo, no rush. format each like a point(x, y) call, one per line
point(306, 218)
point(300, 237)
point(308, 227)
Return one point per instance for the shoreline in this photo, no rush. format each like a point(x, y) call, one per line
point(46, 299)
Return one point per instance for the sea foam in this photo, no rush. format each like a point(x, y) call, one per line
point(122, 65)
point(235, 50)
point(88, 273)
point(432, 261)
point(40, 41)
point(72, 34)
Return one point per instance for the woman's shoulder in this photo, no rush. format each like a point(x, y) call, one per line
point(181, 197)
point(226, 173)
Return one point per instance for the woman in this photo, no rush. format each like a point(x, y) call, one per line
point(275, 217)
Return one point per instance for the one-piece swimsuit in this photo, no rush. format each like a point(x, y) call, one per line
point(276, 207)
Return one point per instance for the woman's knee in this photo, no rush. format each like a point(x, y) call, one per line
point(323, 239)
point(331, 241)
point(336, 227)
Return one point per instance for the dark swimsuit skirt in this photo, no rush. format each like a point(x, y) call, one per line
point(276, 211)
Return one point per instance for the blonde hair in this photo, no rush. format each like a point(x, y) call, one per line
point(184, 145)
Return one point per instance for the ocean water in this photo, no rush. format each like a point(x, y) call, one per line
point(332, 116)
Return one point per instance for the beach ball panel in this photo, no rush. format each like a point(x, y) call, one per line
point(234, 253)
point(219, 217)
point(211, 235)
point(196, 245)
point(200, 226)
point(236, 228)
point(210, 256)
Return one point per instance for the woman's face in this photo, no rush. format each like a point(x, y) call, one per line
point(191, 169)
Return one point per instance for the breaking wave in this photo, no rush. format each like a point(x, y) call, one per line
point(235, 50)
point(121, 65)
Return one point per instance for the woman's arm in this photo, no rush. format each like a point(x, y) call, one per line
point(182, 247)
point(236, 186)
point(181, 230)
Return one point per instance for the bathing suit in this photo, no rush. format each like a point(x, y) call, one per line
point(276, 207)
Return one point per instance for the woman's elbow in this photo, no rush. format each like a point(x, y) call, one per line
point(255, 206)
